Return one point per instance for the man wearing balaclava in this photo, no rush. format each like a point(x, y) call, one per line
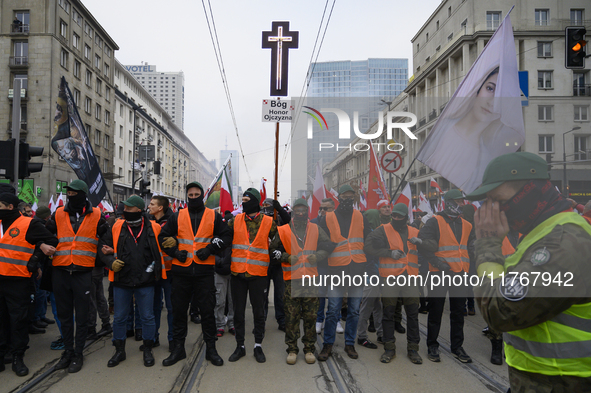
point(348, 228)
point(250, 261)
point(448, 246)
point(395, 244)
point(303, 244)
point(18, 233)
point(545, 323)
point(78, 227)
point(192, 236)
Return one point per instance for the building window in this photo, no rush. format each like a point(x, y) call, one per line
point(99, 86)
point(97, 138)
point(108, 51)
point(106, 70)
point(581, 112)
point(97, 61)
point(449, 11)
point(88, 78)
point(427, 37)
point(88, 30)
point(436, 28)
point(544, 79)
point(120, 132)
point(107, 94)
point(23, 26)
point(120, 152)
point(64, 58)
point(107, 140)
point(463, 25)
point(579, 88)
point(130, 137)
point(542, 17)
point(87, 105)
point(76, 41)
point(544, 48)
point(65, 4)
point(418, 47)
point(581, 143)
point(77, 97)
point(107, 117)
point(546, 144)
point(63, 29)
point(545, 112)
point(576, 17)
point(450, 37)
point(97, 112)
point(493, 20)
point(76, 17)
point(87, 51)
point(98, 41)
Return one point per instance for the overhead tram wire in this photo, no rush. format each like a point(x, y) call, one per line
point(218, 55)
point(308, 78)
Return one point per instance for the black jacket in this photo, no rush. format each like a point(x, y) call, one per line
point(76, 221)
point(167, 214)
point(223, 262)
point(171, 228)
point(137, 257)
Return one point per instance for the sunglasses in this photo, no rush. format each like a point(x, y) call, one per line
point(325, 208)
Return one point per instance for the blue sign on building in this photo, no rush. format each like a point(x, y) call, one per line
point(524, 86)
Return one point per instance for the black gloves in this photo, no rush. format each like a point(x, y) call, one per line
point(442, 265)
point(181, 255)
point(218, 243)
point(102, 229)
point(277, 205)
point(203, 254)
point(33, 264)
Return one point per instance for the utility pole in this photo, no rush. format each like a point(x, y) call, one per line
point(16, 128)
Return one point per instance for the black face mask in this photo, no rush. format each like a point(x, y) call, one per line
point(399, 224)
point(195, 204)
point(452, 209)
point(346, 205)
point(300, 217)
point(132, 218)
point(77, 202)
point(250, 207)
point(9, 215)
point(268, 211)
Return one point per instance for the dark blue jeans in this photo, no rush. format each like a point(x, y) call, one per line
point(144, 302)
point(163, 290)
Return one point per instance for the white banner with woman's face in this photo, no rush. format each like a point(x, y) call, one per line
point(483, 119)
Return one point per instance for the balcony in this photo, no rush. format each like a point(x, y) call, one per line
point(413, 174)
point(442, 107)
point(422, 122)
point(18, 61)
point(582, 91)
point(432, 115)
point(19, 29)
point(422, 171)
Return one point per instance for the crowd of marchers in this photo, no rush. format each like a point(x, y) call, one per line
point(198, 261)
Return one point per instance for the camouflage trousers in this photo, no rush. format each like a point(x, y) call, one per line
point(299, 307)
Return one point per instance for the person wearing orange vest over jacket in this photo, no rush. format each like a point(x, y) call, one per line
point(250, 262)
point(136, 264)
point(395, 243)
point(448, 246)
point(18, 260)
point(347, 228)
point(303, 242)
point(78, 227)
point(200, 233)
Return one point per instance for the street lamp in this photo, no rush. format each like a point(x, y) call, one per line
point(564, 188)
point(135, 108)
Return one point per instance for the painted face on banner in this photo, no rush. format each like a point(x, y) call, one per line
point(484, 103)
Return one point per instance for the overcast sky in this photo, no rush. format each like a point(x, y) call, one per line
point(173, 35)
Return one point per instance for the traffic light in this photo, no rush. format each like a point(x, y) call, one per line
point(26, 152)
point(7, 159)
point(144, 190)
point(575, 47)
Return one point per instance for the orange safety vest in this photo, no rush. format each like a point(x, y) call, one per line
point(456, 255)
point(192, 244)
point(116, 231)
point(15, 250)
point(346, 249)
point(251, 258)
point(167, 258)
point(508, 249)
point(410, 263)
point(76, 248)
point(302, 267)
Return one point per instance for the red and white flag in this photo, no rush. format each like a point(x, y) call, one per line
point(434, 184)
point(174, 206)
point(60, 201)
point(332, 194)
point(376, 186)
point(362, 197)
point(225, 195)
point(263, 190)
point(406, 198)
point(424, 204)
point(319, 193)
point(483, 119)
point(52, 206)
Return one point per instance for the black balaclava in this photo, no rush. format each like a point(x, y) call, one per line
point(77, 202)
point(268, 210)
point(195, 204)
point(346, 205)
point(133, 218)
point(252, 206)
point(399, 225)
point(452, 209)
point(299, 217)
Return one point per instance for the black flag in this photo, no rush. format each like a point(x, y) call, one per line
point(71, 142)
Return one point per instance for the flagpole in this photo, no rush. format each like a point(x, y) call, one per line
point(217, 175)
point(403, 177)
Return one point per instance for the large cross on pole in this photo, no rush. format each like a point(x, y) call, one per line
point(280, 40)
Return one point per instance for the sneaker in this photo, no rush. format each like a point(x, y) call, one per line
point(76, 363)
point(366, 343)
point(351, 352)
point(318, 327)
point(310, 358)
point(415, 357)
point(259, 355)
point(220, 332)
point(195, 319)
point(65, 360)
point(58, 345)
point(238, 353)
point(433, 354)
point(461, 355)
point(325, 353)
point(471, 311)
point(340, 327)
point(292, 358)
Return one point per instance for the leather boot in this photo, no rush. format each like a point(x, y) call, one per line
point(496, 356)
point(178, 353)
point(212, 355)
point(148, 355)
point(119, 355)
point(18, 366)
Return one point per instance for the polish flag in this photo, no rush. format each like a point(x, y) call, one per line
point(52, 206)
point(34, 208)
point(376, 187)
point(319, 192)
point(435, 185)
point(406, 198)
point(332, 194)
point(424, 204)
point(60, 200)
point(174, 206)
point(225, 195)
point(263, 190)
point(362, 197)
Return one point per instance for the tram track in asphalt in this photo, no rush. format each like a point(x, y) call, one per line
point(335, 370)
point(193, 370)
